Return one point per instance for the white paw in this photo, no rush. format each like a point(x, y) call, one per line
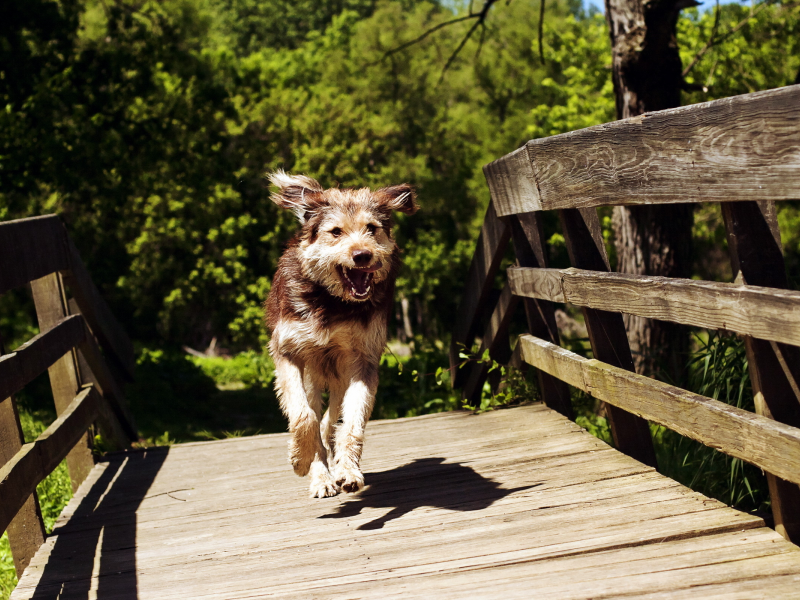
point(322, 484)
point(349, 479)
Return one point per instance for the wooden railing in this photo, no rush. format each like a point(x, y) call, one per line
point(743, 152)
point(87, 355)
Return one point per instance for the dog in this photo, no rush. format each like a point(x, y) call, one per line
point(327, 314)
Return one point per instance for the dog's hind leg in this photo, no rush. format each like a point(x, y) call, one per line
point(357, 405)
point(306, 452)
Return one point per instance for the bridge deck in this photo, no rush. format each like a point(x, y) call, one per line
point(515, 503)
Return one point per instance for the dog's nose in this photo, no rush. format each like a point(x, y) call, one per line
point(362, 257)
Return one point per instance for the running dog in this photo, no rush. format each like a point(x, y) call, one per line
point(327, 314)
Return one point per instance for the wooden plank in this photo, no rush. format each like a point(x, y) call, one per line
point(51, 308)
point(512, 182)
point(496, 340)
point(35, 461)
point(30, 249)
point(26, 530)
point(607, 335)
point(636, 526)
point(766, 313)
point(491, 246)
point(755, 247)
point(33, 357)
point(118, 422)
point(758, 440)
point(744, 148)
point(527, 231)
point(98, 315)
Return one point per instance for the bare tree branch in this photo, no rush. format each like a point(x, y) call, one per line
point(714, 41)
point(480, 19)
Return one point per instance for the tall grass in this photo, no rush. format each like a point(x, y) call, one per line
point(717, 369)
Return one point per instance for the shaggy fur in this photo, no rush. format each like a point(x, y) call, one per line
point(327, 313)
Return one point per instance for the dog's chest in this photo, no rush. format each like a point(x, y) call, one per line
point(309, 337)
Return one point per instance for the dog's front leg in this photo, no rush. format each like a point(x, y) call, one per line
point(306, 452)
point(357, 405)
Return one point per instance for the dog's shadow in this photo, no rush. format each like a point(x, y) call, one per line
point(423, 482)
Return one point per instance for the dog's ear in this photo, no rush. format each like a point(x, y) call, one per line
point(300, 194)
point(399, 197)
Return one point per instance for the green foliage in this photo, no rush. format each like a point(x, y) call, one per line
point(8, 575)
point(178, 398)
point(718, 369)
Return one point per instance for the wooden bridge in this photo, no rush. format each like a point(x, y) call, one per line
point(515, 503)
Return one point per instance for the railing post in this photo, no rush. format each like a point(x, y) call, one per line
point(528, 236)
point(26, 531)
point(754, 243)
point(51, 306)
point(607, 334)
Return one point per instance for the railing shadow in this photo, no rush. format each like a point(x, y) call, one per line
point(95, 553)
point(423, 482)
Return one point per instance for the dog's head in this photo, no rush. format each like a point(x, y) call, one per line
point(346, 241)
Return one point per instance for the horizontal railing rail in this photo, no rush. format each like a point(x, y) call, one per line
point(743, 152)
point(78, 336)
point(743, 148)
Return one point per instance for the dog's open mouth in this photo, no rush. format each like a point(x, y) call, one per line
point(358, 280)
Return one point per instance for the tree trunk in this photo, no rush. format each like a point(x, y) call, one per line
point(650, 240)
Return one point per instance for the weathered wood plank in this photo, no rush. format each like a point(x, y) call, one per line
point(32, 358)
point(758, 440)
point(35, 461)
point(51, 309)
point(496, 340)
point(512, 181)
point(26, 530)
point(754, 243)
point(767, 313)
point(584, 239)
point(94, 369)
point(744, 148)
point(30, 249)
point(527, 232)
point(492, 243)
point(98, 315)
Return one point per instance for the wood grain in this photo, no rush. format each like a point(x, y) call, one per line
point(35, 356)
point(767, 313)
point(527, 232)
point(35, 461)
point(744, 148)
point(586, 248)
point(26, 530)
point(30, 249)
point(754, 243)
point(51, 308)
point(512, 182)
point(758, 440)
point(503, 504)
point(492, 244)
point(496, 340)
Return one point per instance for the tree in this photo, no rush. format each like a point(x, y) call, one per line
point(650, 240)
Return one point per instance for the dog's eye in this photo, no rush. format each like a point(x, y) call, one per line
point(371, 229)
point(336, 232)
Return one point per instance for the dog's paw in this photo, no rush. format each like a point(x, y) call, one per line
point(349, 479)
point(322, 488)
point(322, 484)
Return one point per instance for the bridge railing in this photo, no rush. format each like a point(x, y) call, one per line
point(87, 355)
point(743, 152)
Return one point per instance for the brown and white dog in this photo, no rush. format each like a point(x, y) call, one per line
point(327, 314)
